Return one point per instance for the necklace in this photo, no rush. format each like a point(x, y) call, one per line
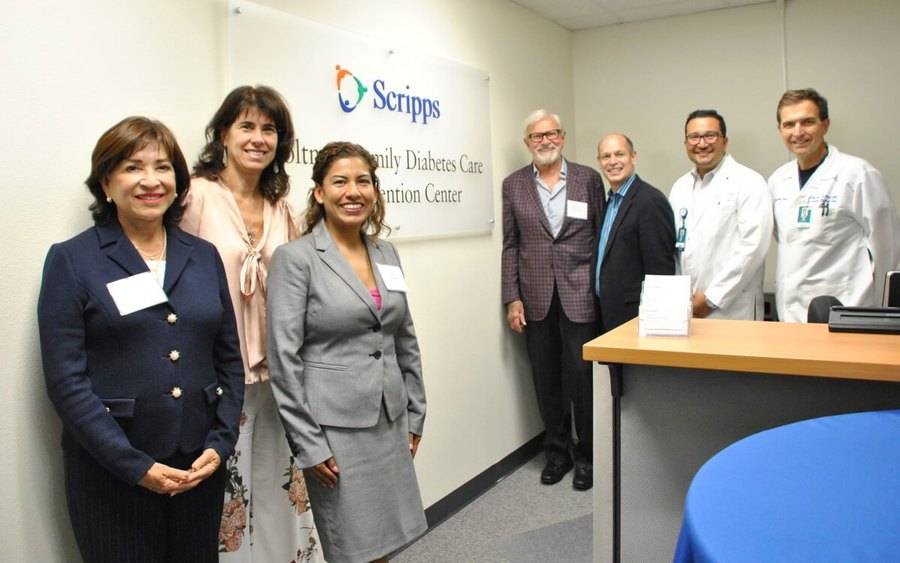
point(154, 262)
point(148, 256)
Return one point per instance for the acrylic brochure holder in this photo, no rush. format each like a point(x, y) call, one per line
point(665, 308)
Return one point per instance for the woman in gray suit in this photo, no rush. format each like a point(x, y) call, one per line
point(344, 363)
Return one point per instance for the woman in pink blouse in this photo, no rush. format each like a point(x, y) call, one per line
point(237, 202)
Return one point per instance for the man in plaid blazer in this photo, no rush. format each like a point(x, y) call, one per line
point(551, 211)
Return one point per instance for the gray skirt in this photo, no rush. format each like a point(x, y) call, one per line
point(376, 507)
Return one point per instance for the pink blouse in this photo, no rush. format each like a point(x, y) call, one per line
point(376, 297)
point(212, 213)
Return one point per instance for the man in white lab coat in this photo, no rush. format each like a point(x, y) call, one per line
point(835, 222)
point(723, 224)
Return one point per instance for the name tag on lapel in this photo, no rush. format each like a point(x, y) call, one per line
point(576, 209)
point(136, 292)
point(393, 277)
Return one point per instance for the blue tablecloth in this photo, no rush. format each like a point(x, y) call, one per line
point(821, 490)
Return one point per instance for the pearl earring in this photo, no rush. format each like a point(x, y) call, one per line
point(108, 199)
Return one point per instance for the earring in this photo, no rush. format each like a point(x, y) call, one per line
point(108, 199)
point(224, 157)
point(275, 168)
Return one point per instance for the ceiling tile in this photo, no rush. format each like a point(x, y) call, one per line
point(639, 12)
point(584, 14)
point(591, 20)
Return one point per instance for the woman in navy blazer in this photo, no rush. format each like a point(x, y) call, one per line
point(141, 359)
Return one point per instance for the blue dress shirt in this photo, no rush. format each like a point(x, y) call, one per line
point(612, 208)
point(553, 198)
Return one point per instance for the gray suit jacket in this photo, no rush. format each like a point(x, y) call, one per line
point(333, 357)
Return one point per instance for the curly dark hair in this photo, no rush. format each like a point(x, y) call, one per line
point(120, 142)
point(274, 183)
point(326, 156)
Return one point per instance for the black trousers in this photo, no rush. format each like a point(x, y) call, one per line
point(116, 522)
point(563, 382)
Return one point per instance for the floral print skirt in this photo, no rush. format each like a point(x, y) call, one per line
point(266, 517)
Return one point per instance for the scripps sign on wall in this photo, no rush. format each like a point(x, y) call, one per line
point(425, 119)
point(351, 90)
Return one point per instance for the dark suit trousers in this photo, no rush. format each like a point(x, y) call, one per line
point(115, 522)
point(562, 380)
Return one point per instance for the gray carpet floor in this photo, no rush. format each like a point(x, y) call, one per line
point(519, 520)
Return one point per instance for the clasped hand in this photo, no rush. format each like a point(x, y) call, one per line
point(165, 480)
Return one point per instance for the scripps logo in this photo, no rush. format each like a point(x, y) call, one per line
point(351, 91)
point(355, 89)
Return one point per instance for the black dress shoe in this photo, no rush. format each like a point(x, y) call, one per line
point(584, 477)
point(555, 470)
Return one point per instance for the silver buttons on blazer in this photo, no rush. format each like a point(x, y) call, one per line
point(176, 392)
point(172, 318)
point(219, 391)
point(174, 355)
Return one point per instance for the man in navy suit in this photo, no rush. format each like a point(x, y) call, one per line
point(636, 237)
point(551, 209)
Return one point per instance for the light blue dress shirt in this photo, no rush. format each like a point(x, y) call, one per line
point(553, 198)
point(612, 209)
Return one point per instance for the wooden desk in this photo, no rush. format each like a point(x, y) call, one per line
point(759, 347)
point(686, 398)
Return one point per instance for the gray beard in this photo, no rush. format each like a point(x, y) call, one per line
point(547, 157)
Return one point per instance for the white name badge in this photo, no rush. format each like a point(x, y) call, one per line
point(393, 277)
point(576, 209)
point(136, 292)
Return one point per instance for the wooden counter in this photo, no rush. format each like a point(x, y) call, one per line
point(755, 346)
point(679, 400)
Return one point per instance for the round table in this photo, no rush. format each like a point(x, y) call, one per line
point(820, 490)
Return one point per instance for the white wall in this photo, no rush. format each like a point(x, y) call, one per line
point(644, 78)
point(480, 399)
point(848, 51)
point(72, 69)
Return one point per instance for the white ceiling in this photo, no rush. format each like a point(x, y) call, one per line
point(583, 14)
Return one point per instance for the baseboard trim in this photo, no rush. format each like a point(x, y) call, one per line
point(477, 486)
point(480, 484)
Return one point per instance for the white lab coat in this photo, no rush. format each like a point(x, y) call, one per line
point(729, 228)
point(847, 248)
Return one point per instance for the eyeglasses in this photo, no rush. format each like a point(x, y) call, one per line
point(551, 135)
point(710, 137)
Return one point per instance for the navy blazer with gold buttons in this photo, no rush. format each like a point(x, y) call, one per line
point(136, 389)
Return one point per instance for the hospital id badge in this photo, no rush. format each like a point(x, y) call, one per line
point(680, 239)
point(804, 217)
